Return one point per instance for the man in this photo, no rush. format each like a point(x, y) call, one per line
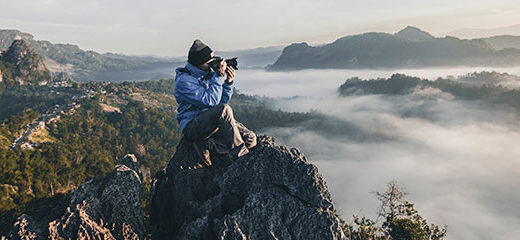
point(203, 112)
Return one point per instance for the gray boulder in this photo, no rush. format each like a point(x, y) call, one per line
point(271, 193)
point(108, 208)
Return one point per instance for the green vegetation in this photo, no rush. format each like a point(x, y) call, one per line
point(158, 86)
point(14, 99)
point(400, 221)
point(10, 70)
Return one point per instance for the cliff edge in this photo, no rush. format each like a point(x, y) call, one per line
point(271, 193)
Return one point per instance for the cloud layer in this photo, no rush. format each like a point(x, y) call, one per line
point(458, 160)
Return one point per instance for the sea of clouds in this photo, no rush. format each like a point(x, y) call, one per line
point(458, 160)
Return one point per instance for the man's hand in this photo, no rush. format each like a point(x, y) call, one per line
point(230, 75)
point(222, 68)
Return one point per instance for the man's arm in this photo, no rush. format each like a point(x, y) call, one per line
point(188, 89)
point(227, 92)
point(227, 88)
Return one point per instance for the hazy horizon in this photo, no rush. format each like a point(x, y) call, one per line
point(165, 28)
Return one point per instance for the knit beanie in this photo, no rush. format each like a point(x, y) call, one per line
point(199, 53)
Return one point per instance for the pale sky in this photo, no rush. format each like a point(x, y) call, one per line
point(167, 28)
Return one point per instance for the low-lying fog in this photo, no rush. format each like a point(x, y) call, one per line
point(319, 83)
point(459, 161)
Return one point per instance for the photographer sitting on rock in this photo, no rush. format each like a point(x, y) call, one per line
point(204, 116)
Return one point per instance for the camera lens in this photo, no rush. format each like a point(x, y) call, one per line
point(232, 62)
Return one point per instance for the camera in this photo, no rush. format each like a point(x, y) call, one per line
point(232, 62)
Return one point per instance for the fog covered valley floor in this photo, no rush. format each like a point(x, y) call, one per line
point(456, 155)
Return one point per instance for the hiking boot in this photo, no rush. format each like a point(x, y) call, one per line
point(238, 152)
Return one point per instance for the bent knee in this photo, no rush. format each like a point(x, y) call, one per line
point(225, 109)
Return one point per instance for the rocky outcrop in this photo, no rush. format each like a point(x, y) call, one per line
point(108, 208)
point(23, 66)
point(271, 193)
point(26, 228)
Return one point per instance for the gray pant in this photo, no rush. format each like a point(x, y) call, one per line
point(219, 127)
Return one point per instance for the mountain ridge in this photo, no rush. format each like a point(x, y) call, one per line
point(472, 33)
point(410, 47)
point(503, 41)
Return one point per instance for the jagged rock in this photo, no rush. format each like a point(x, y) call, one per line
point(77, 224)
point(23, 65)
point(130, 161)
point(271, 193)
point(25, 228)
point(108, 208)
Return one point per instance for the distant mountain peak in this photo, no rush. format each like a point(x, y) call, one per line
point(299, 45)
point(411, 33)
point(24, 64)
point(19, 49)
point(8, 36)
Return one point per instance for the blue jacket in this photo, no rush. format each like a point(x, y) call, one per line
point(196, 91)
